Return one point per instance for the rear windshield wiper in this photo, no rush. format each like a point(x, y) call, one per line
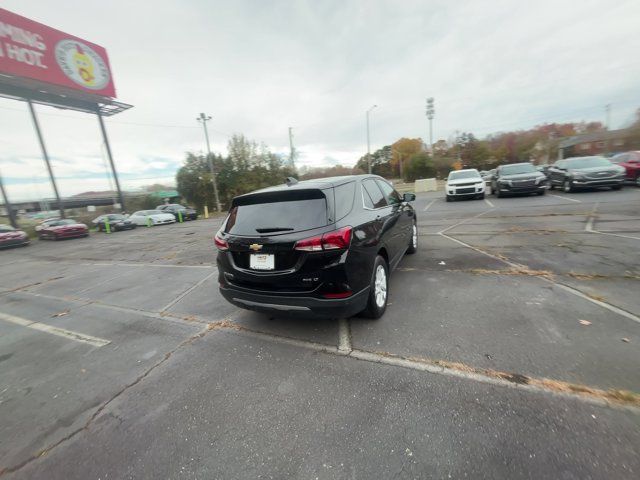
point(273, 229)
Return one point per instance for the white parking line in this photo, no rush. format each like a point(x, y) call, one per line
point(429, 204)
point(565, 198)
point(488, 202)
point(344, 336)
point(60, 332)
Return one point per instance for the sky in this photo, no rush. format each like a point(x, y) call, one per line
point(259, 67)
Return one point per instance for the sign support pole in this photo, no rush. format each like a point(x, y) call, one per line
point(45, 155)
point(113, 165)
point(7, 205)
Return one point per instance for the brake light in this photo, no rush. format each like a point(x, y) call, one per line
point(336, 240)
point(221, 243)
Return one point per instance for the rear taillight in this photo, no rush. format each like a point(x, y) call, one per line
point(336, 240)
point(220, 242)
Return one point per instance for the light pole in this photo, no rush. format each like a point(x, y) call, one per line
point(431, 111)
point(369, 140)
point(204, 119)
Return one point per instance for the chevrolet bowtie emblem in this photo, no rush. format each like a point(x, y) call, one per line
point(255, 247)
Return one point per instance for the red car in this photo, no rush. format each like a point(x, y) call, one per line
point(64, 228)
point(10, 237)
point(631, 163)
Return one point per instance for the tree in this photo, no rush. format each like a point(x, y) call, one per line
point(420, 165)
point(402, 150)
point(247, 167)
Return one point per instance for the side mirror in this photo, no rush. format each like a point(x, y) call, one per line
point(408, 197)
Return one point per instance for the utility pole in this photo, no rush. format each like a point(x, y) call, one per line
point(431, 112)
point(292, 151)
point(369, 139)
point(607, 109)
point(204, 119)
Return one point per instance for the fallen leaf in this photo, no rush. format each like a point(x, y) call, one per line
point(585, 322)
point(61, 314)
point(625, 340)
point(441, 263)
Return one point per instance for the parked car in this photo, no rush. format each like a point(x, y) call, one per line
point(586, 172)
point(151, 217)
point(116, 221)
point(518, 178)
point(323, 247)
point(44, 223)
point(176, 209)
point(630, 161)
point(11, 237)
point(488, 175)
point(464, 184)
point(63, 228)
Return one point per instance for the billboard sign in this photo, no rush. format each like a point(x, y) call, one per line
point(32, 50)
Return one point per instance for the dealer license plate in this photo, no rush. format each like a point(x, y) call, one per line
point(262, 261)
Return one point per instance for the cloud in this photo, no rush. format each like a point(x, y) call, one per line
point(261, 67)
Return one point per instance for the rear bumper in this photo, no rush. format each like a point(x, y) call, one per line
point(17, 242)
point(299, 306)
point(72, 235)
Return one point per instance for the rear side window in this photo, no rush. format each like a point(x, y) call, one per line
point(344, 199)
point(376, 199)
point(276, 213)
point(390, 194)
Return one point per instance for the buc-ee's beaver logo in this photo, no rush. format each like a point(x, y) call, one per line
point(82, 64)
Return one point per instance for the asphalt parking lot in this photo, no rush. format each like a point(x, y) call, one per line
point(509, 350)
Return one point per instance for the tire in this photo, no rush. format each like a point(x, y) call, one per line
point(448, 198)
point(567, 186)
point(378, 295)
point(638, 180)
point(616, 187)
point(551, 186)
point(542, 192)
point(499, 194)
point(481, 196)
point(413, 241)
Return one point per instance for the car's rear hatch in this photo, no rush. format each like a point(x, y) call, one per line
point(262, 230)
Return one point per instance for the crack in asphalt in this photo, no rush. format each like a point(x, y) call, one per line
point(102, 407)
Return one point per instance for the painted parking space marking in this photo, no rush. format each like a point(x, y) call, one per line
point(60, 332)
point(564, 198)
point(429, 205)
point(488, 202)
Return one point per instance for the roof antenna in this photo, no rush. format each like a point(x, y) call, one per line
point(290, 181)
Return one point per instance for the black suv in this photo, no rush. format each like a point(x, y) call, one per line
point(586, 172)
point(177, 210)
point(320, 247)
point(518, 178)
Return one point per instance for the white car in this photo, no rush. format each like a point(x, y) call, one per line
point(464, 184)
point(151, 217)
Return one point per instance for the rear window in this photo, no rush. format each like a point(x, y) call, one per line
point(275, 213)
point(344, 199)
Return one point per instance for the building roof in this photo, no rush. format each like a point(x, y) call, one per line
point(593, 137)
